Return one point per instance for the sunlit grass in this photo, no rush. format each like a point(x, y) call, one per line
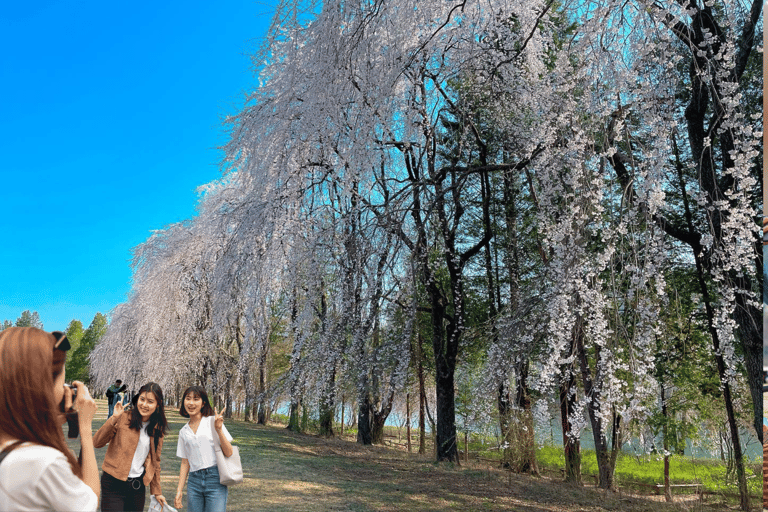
point(711, 474)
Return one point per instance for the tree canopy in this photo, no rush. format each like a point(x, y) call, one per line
point(521, 184)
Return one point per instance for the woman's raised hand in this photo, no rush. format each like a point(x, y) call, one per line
point(218, 419)
point(118, 409)
point(84, 404)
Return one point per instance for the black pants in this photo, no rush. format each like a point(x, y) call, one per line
point(119, 496)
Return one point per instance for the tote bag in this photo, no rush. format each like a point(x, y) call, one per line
point(230, 468)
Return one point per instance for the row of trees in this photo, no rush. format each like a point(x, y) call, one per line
point(81, 340)
point(547, 203)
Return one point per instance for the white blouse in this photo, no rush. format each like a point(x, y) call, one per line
point(36, 478)
point(198, 448)
point(140, 455)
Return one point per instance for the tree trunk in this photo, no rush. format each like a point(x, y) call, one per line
point(293, 418)
point(748, 317)
point(377, 428)
point(571, 446)
point(738, 456)
point(325, 425)
point(665, 435)
point(592, 390)
point(364, 427)
point(228, 403)
point(445, 439)
point(445, 346)
point(328, 406)
point(263, 399)
point(380, 417)
point(422, 398)
point(616, 439)
point(408, 420)
point(246, 378)
point(502, 402)
point(527, 462)
point(262, 414)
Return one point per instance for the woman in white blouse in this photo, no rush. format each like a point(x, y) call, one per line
point(39, 472)
point(198, 457)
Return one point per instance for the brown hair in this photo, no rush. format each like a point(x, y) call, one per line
point(27, 410)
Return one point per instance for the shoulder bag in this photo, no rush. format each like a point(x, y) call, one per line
point(230, 468)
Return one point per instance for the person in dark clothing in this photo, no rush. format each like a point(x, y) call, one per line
point(112, 391)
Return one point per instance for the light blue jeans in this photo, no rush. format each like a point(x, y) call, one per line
point(205, 493)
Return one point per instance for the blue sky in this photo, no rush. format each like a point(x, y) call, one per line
point(109, 121)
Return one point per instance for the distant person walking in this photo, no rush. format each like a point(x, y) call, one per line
point(38, 471)
point(132, 460)
point(198, 458)
point(113, 397)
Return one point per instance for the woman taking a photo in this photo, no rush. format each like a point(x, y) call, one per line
point(38, 472)
point(132, 462)
point(197, 451)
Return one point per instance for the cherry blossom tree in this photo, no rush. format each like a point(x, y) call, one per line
point(395, 154)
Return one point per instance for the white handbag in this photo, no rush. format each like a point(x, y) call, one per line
point(230, 468)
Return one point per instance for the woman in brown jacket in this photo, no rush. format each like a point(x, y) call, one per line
point(132, 461)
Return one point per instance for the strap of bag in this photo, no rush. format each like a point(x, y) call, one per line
point(8, 449)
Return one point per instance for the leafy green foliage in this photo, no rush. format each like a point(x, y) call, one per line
point(75, 333)
point(78, 366)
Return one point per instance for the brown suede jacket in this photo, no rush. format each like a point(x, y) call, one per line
point(122, 445)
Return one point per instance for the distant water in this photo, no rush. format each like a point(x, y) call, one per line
point(552, 435)
point(751, 446)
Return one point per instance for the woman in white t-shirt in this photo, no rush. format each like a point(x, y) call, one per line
point(39, 472)
point(197, 452)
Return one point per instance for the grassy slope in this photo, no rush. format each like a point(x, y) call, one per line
point(286, 471)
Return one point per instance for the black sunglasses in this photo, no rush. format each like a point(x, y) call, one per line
point(62, 343)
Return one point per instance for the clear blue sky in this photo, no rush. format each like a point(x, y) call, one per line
point(109, 121)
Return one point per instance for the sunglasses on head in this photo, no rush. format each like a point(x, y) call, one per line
point(62, 343)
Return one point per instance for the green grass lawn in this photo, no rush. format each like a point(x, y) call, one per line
point(630, 470)
point(289, 471)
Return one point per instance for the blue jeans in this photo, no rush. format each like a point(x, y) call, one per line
point(205, 493)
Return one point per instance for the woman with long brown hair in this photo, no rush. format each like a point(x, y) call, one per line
point(37, 470)
point(132, 462)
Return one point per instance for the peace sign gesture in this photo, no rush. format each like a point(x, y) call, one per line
point(218, 424)
point(218, 419)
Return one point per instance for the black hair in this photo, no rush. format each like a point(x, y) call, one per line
point(206, 410)
point(158, 425)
